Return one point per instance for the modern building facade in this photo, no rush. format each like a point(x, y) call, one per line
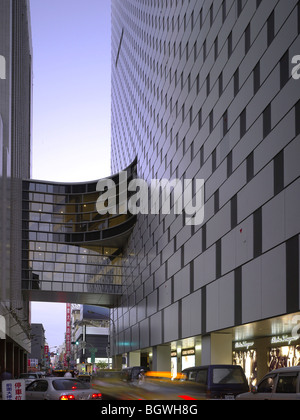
point(203, 89)
point(15, 150)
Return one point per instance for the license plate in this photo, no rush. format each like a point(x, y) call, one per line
point(229, 397)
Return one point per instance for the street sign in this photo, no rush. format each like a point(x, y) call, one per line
point(13, 390)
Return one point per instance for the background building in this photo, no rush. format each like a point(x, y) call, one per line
point(15, 150)
point(37, 348)
point(203, 89)
point(91, 336)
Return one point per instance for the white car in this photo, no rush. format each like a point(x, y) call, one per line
point(30, 377)
point(61, 389)
point(281, 384)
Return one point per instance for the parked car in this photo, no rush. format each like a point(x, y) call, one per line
point(281, 384)
point(54, 388)
point(217, 381)
point(30, 377)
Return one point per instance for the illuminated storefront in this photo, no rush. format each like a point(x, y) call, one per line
point(267, 354)
point(285, 352)
point(188, 358)
point(245, 355)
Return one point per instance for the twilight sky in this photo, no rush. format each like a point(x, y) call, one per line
point(71, 89)
point(71, 105)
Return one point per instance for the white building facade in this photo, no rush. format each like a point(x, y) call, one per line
point(204, 89)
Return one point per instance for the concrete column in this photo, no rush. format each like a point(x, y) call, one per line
point(262, 346)
point(25, 363)
point(217, 349)
point(10, 358)
point(22, 361)
point(117, 362)
point(16, 361)
point(161, 359)
point(198, 355)
point(2, 356)
point(134, 358)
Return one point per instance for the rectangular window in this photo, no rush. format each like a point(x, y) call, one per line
point(211, 122)
point(236, 82)
point(239, 7)
point(284, 70)
point(243, 123)
point(225, 123)
point(208, 85)
point(234, 219)
point(229, 45)
point(292, 273)
point(247, 39)
point(201, 156)
point(224, 12)
point(238, 296)
point(279, 173)
point(287, 384)
point(221, 84)
point(214, 160)
point(256, 78)
point(250, 167)
point(267, 124)
point(271, 28)
point(204, 238)
point(217, 201)
point(257, 233)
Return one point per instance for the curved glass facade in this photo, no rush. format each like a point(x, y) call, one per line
point(70, 249)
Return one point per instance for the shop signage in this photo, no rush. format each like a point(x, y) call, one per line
point(33, 363)
point(244, 344)
point(284, 339)
point(68, 329)
point(173, 353)
point(188, 352)
point(13, 390)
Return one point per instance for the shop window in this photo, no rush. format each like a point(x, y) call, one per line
point(247, 359)
point(282, 357)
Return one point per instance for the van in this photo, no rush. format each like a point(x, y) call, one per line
point(223, 382)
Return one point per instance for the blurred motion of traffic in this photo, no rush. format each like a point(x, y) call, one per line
point(134, 383)
point(83, 368)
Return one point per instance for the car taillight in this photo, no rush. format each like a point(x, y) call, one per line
point(67, 397)
point(97, 396)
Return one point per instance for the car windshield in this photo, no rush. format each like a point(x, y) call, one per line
point(228, 375)
point(68, 385)
point(28, 376)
